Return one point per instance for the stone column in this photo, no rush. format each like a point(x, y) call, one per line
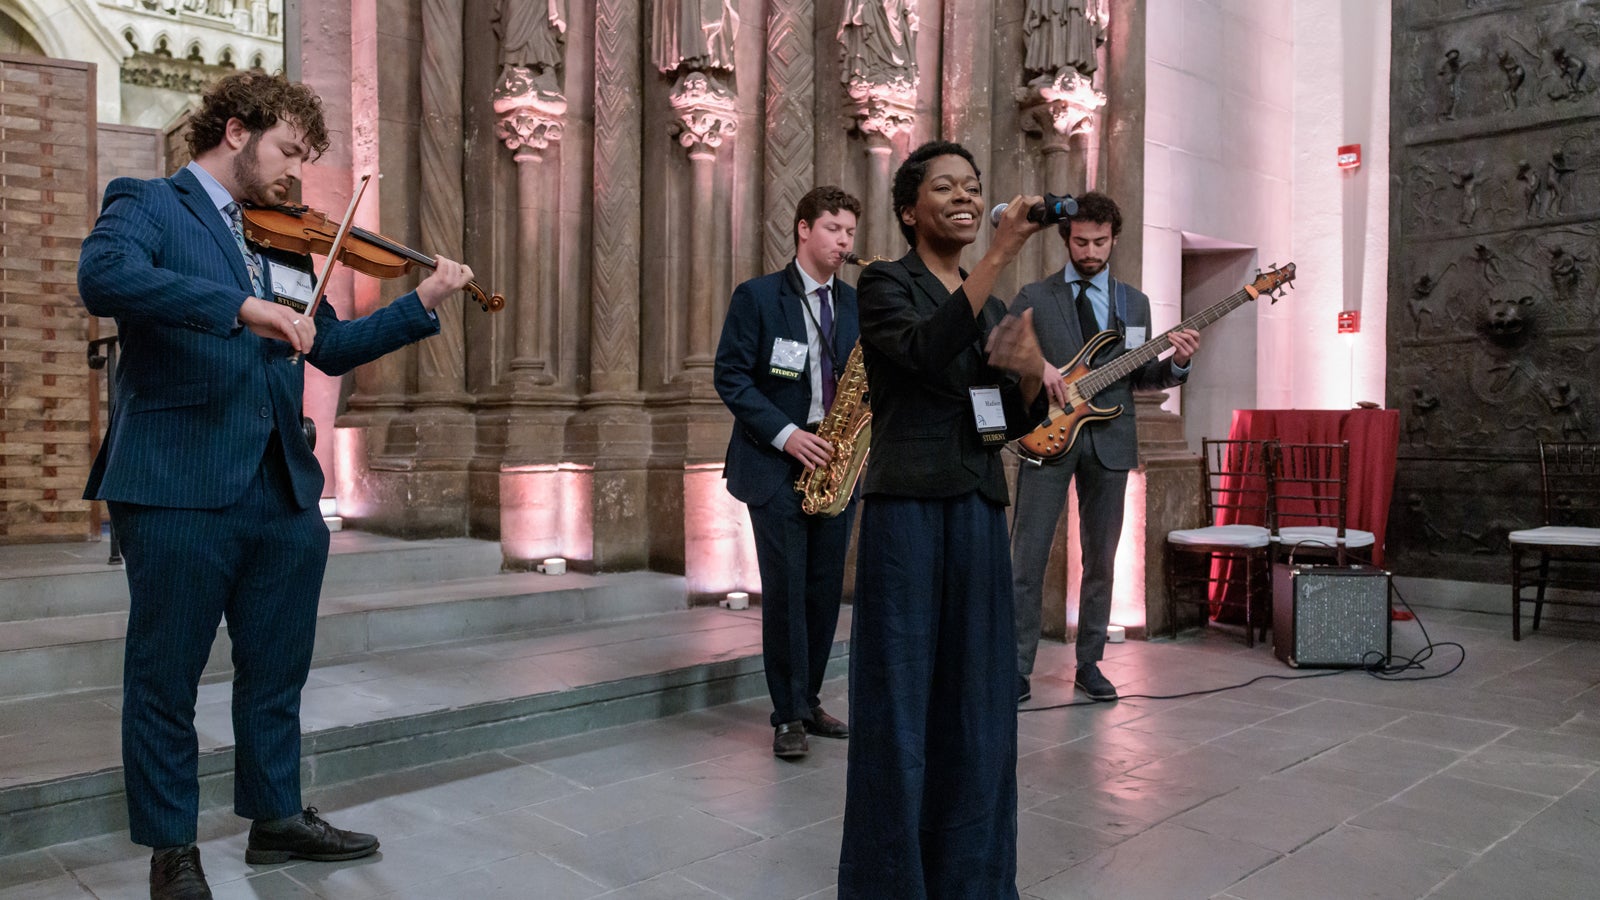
point(1062, 112)
point(612, 432)
point(707, 115)
point(441, 375)
point(530, 119)
point(790, 157)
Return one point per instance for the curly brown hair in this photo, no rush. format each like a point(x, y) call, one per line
point(819, 200)
point(259, 101)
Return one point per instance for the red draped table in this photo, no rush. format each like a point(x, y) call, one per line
point(1374, 437)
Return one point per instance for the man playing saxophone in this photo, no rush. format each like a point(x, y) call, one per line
point(785, 340)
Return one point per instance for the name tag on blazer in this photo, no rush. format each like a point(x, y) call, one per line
point(788, 358)
point(291, 287)
point(989, 415)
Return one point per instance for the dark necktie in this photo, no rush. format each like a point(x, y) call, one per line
point(1088, 323)
point(252, 262)
point(825, 335)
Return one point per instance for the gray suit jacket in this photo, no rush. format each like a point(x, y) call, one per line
point(1055, 320)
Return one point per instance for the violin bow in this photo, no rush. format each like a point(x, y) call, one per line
point(333, 253)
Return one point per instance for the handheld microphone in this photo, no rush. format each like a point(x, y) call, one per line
point(1049, 211)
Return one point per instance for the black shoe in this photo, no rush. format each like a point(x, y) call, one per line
point(789, 741)
point(305, 836)
point(1024, 691)
point(1091, 682)
point(823, 725)
point(175, 874)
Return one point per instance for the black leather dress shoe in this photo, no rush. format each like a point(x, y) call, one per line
point(305, 836)
point(789, 741)
point(1097, 686)
point(823, 725)
point(175, 874)
point(1024, 690)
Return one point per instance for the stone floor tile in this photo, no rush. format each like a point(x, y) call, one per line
point(1376, 765)
point(774, 809)
point(1570, 825)
point(1166, 861)
point(1455, 812)
point(638, 852)
point(664, 887)
point(1204, 720)
point(514, 878)
point(268, 886)
point(1355, 862)
point(1550, 774)
point(1126, 805)
point(1047, 846)
point(1277, 813)
point(797, 864)
point(1521, 869)
point(1444, 731)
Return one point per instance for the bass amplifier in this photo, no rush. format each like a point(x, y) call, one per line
point(1328, 617)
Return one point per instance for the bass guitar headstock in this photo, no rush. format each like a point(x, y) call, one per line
point(1271, 282)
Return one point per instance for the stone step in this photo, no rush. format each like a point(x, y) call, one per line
point(373, 713)
point(46, 581)
point(84, 652)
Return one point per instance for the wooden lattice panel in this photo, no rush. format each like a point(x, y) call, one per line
point(49, 418)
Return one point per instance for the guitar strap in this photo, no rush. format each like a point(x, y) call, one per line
point(1121, 299)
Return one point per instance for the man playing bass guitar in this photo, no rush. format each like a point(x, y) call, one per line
point(1070, 307)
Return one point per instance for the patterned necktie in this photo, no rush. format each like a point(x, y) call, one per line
point(1088, 322)
point(251, 262)
point(825, 334)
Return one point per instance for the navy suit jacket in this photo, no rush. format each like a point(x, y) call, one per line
point(1055, 322)
point(199, 395)
point(761, 311)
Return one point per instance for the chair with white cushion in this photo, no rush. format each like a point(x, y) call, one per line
point(1563, 551)
point(1310, 498)
point(1231, 556)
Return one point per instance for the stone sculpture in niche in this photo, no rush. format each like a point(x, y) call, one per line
point(1565, 273)
point(1060, 35)
point(533, 36)
point(1450, 76)
point(1515, 75)
point(1418, 304)
point(880, 42)
point(694, 35)
point(1423, 403)
point(1532, 189)
point(879, 71)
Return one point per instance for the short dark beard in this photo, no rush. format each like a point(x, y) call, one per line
point(247, 171)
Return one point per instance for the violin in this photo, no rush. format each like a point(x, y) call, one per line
point(294, 228)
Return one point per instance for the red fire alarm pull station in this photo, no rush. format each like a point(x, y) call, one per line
point(1350, 321)
point(1350, 156)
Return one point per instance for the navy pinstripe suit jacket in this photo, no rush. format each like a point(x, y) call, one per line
point(198, 395)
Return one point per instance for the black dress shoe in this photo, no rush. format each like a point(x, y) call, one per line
point(1024, 690)
point(1091, 682)
point(823, 725)
point(175, 874)
point(305, 836)
point(789, 741)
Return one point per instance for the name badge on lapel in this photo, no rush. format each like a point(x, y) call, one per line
point(290, 286)
point(788, 358)
point(1133, 336)
point(989, 415)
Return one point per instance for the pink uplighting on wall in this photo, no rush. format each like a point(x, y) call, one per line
point(546, 511)
point(349, 462)
point(1128, 590)
point(719, 547)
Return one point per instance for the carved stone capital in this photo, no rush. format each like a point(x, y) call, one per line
point(1064, 106)
point(883, 109)
point(532, 115)
point(707, 111)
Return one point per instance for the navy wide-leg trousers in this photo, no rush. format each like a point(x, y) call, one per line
point(931, 790)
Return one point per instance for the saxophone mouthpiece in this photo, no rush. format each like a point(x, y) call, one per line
point(851, 259)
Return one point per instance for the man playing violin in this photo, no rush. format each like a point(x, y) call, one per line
point(209, 479)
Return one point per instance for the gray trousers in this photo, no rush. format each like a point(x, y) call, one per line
point(1041, 495)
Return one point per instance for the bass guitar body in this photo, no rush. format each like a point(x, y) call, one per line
point(1052, 439)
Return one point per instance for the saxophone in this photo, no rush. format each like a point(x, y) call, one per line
point(826, 490)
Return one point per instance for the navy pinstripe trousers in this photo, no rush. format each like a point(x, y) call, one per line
point(258, 564)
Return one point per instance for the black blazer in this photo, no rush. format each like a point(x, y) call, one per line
point(1055, 321)
point(761, 311)
point(924, 349)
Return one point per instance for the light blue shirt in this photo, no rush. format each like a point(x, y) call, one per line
point(219, 195)
point(814, 349)
point(1100, 301)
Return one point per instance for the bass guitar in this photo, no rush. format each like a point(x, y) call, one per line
point(1055, 436)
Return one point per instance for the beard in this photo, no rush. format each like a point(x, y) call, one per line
point(1089, 268)
point(247, 175)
